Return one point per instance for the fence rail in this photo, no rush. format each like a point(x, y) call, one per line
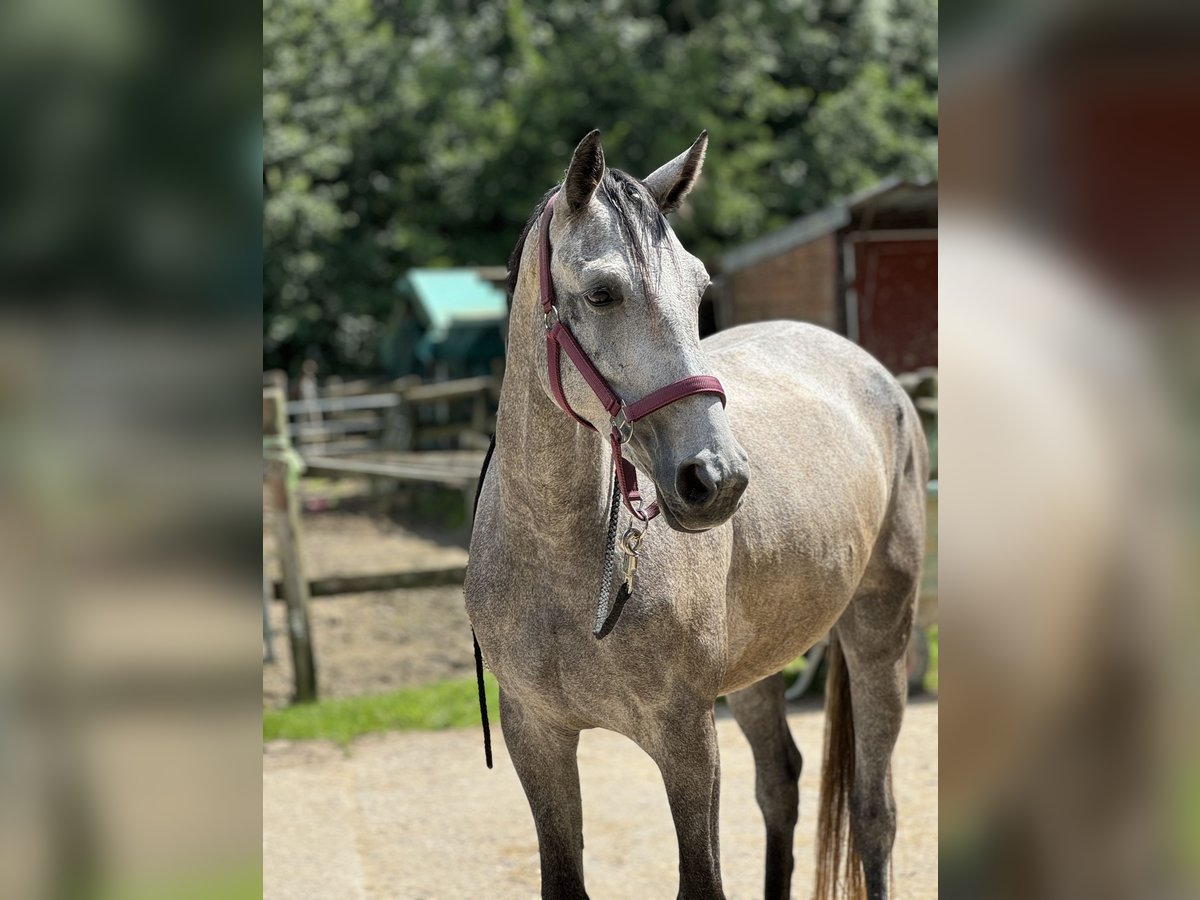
point(404, 415)
point(344, 404)
point(336, 585)
point(450, 473)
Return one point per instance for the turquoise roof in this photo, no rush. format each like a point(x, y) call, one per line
point(449, 297)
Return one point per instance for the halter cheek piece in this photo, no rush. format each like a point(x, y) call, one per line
point(559, 338)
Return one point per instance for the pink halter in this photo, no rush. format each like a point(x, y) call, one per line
point(558, 335)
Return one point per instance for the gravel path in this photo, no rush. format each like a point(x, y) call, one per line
point(416, 815)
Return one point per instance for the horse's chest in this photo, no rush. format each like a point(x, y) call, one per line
point(534, 621)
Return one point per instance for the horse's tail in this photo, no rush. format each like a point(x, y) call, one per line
point(838, 863)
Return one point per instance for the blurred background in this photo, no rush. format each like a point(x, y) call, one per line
point(130, 309)
point(1068, 283)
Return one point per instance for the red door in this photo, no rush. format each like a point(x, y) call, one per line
point(896, 284)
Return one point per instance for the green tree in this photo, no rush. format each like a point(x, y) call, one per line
point(408, 133)
point(327, 64)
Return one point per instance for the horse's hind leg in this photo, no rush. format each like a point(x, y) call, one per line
point(761, 712)
point(873, 636)
point(545, 760)
point(877, 691)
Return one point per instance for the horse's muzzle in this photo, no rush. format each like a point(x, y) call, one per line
point(708, 490)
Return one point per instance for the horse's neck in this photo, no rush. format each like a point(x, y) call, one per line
point(554, 474)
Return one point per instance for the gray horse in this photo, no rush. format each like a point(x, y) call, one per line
point(798, 509)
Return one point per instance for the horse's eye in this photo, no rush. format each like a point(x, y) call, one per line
point(599, 297)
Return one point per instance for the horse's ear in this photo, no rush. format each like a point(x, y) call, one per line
point(585, 172)
point(671, 183)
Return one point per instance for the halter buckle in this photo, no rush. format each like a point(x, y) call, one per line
point(551, 318)
point(622, 426)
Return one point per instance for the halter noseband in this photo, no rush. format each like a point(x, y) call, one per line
point(558, 335)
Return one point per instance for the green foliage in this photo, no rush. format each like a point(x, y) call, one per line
point(448, 704)
point(408, 133)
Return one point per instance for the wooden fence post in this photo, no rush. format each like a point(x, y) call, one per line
point(310, 392)
point(268, 636)
point(285, 513)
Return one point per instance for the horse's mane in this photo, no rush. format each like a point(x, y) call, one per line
point(638, 216)
point(514, 258)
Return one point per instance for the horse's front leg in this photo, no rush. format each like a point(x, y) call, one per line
point(544, 757)
point(685, 749)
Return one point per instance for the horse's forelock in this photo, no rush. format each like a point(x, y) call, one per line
point(640, 219)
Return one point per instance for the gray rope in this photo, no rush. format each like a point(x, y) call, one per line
point(610, 556)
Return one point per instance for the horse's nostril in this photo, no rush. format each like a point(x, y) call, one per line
point(695, 483)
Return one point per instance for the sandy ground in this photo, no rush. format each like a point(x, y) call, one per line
point(416, 815)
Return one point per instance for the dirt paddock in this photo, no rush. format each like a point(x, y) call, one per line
point(375, 642)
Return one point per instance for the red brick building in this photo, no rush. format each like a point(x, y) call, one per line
point(866, 268)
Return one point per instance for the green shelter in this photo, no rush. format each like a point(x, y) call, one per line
point(449, 323)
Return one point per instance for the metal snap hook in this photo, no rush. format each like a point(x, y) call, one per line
point(630, 542)
point(622, 426)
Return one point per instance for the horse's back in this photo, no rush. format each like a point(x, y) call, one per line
point(814, 403)
point(808, 357)
point(828, 431)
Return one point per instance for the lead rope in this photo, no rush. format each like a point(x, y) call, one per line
point(610, 559)
point(483, 711)
point(631, 540)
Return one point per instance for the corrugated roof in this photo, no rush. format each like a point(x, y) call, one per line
point(804, 229)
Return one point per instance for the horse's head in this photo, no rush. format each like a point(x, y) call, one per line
point(630, 293)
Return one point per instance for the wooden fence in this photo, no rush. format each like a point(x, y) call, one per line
point(363, 431)
point(350, 418)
